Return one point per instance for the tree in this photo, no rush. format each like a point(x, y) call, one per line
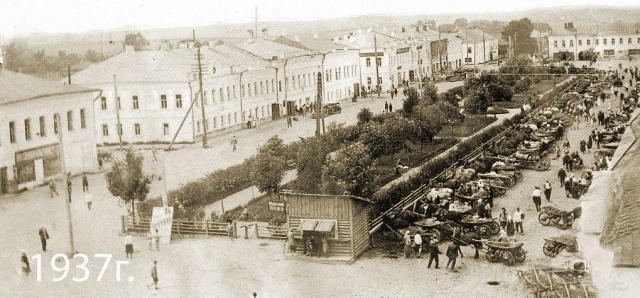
point(311, 157)
point(364, 116)
point(411, 101)
point(461, 23)
point(478, 101)
point(430, 93)
point(520, 32)
point(269, 166)
point(127, 180)
point(427, 123)
point(349, 169)
point(452, 96)
point(136, 40)
point(376, 139)
point(522, 85)
point(92, 56)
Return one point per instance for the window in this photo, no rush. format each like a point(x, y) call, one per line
point(103, 103)
point(165, 129)
point(304, 79)
point(12, 132)
point(255, 88)
point(221, 92)
point(379, 80)
point(379, 61)
point(179, 101)
point(468, 50)
point(135, 102)
point(555, 43)
point(235, 93)
point(571, 43)
point(604, 41)
point(228, 93)
point(163, 101)
point(136, 128)
point(83, 119)
point(597, 41)
point(280, 86)
point(564, 44)
point(629, 40)
point(273, 86)
point(242, 91)
point(613, 41)
point(43, 127)
point(621, 41)
point(579, 42)
point(266, 86)
point(27, 129)
point(56, 122)
point(588, 42)
point(368, 80)
point(249, 89)
point(70, 120)
point(368, 62)
point(638, 39)
point(105, 130)
point(261, 88)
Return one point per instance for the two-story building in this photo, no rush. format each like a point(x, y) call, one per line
point(569, 43)
point(477, 46)
point(412, 61)
point(35, 116)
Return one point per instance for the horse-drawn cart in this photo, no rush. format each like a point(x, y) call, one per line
point(509, 253)
point(485, 227)
point(554, 245)
point(562, 219)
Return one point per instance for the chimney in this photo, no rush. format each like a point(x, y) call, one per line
point(424, 28)
point(403, 29)
point(296, 38)
point(250, 35)
point(129, 49)
point(265, 34)
point(315, 35)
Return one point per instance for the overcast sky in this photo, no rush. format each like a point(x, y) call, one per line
point(26, 16)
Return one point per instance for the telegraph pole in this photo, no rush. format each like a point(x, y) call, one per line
point(65, 182)
point(118, 126)
point(204, 120)
point(375, 49)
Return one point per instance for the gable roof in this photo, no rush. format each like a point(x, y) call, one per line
point(310, 42)
point(474, 35)
point(266, 49)
point(16, 87)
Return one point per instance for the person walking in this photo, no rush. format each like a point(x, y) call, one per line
point(234, 143)
point(24, 263)
point(289, 123)
point(562, 175)
point(128, 245)
point(390, 108)
point(536, 198)
point(583, 147)
point(417, 244)
point(547, 190)
point(386, 106)
point(291, 241)
point(88, 198)
point(434, 251)
point(568, 183)
point(518, 217)
point(502, 218)
point(154, 274)
point(452, 253)
point(565, 144)
point(44, 236)
point(407, 244)
point(52, 188)
point(511, 228)
point(85, 182)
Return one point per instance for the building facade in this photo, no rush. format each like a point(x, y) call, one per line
point(33, 114)
point(478, 47)
point(568, 45)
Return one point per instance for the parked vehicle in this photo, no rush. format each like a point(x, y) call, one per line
point(332, 108)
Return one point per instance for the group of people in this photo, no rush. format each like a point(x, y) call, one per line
point(413, 246)
point(510, 225)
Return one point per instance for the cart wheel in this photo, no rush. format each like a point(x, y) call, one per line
point(563, 225)
point(507, 258)
point(435, 234)
point(520, 255)
point(549, 249)
point(558, 248)
point(492, 256)
point(518, 176)
point(544, 218)
point(485, 231)
point(495, 228)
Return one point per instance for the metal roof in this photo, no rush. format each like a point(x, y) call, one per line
point(266, 49)
point(16, 87)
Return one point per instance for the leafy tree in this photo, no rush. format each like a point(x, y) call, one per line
point(376, 139)
point(127, 180)
point(452, 96)
point(397, 130)
point(311, 157)
point(136, 40)
point(364, 116)
point(427, 123)
point(520, 32)
point(499, 92)
point(349, 169)
point(461, 23)
point(478, 102)
point(270, 165)
point(522, 85)
point(92, 56)
point(430, 93)
point(411, 101)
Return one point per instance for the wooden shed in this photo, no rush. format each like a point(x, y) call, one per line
point(341, 220)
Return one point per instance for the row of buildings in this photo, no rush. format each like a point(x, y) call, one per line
point(156, 96)
point(571, 43)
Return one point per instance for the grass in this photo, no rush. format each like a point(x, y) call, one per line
point(471, 124)
point(537, 88)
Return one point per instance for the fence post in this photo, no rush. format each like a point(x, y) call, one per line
point(206, 227)
point(255, 226)
point(122, 224)
point(178, 226)
point(246, 231)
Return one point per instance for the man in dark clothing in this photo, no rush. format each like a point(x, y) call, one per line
point(44, 235)
point(562, 175)
point(434, 251)
point(567, 186)
point(85, 183)
point(452, 253)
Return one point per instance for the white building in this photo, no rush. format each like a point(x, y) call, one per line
point(413, 54)
point(340, 65)
point(159, 90)
point(569, 43)
point(478, 47)
point(29, 142)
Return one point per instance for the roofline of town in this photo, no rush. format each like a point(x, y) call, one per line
point(51, 95)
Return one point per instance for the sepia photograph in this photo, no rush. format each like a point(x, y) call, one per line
point(355, 148)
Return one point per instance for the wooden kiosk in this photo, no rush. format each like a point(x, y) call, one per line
point(341, 221)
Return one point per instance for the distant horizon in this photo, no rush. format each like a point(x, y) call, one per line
point(43, 17)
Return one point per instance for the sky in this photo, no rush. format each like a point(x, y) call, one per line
point(54, 16)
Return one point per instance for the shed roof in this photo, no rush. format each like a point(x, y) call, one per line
point(16, 87)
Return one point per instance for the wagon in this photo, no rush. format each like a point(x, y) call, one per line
point(509, 253)
point(507, 180)
point(558, 282)
point(562, 219)
point(532, 161)
point(433, 227)
point(485, 227)
point(553, 246)
point(603, 152)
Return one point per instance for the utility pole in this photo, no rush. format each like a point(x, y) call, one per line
point(118, 125)
point(375, 49)
point(204, 119)
point(65, 182)
point(69, 73)
point(318, 103)
point(439, 50)
point(484, 49)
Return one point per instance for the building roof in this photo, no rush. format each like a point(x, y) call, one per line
point(266, 49)
point(16, 87)
point(363, 39)
point(311, 42)
point(327, 196)
point(474, 35)
point(623, 217)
